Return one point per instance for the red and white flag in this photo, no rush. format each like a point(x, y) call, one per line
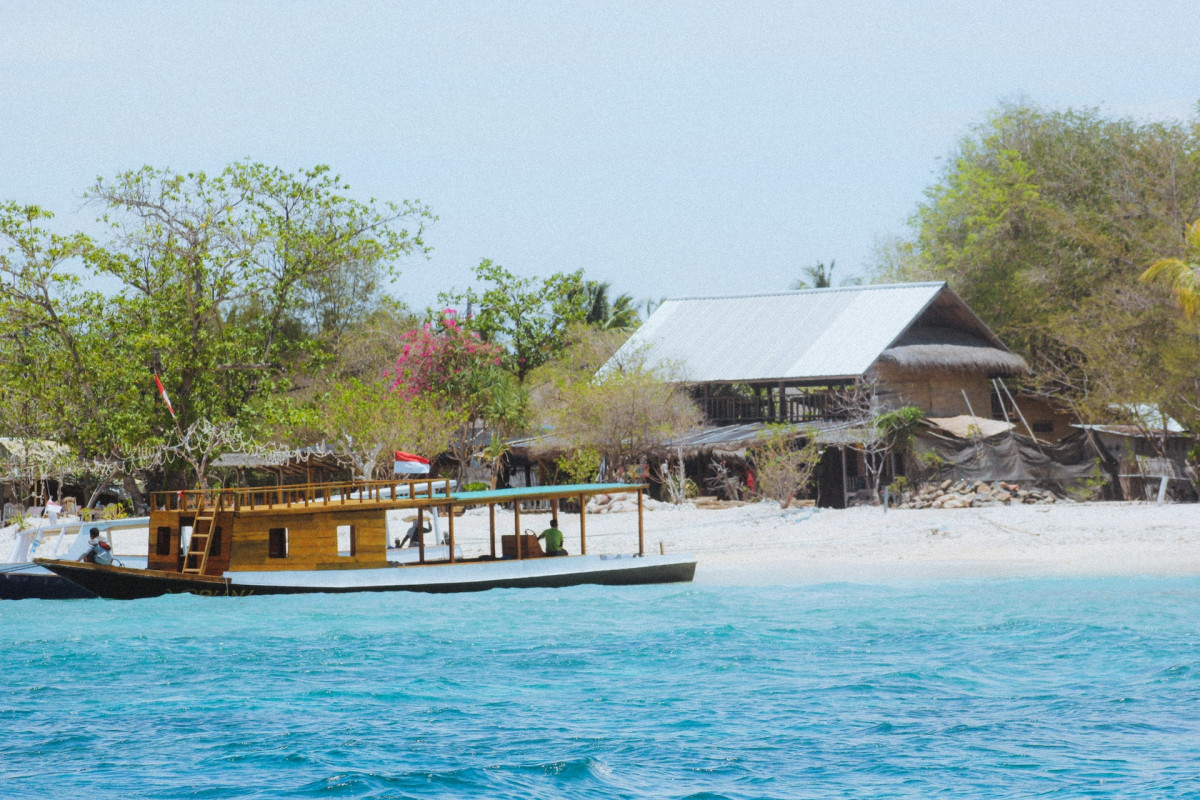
point(163, 392)
point(409, 464)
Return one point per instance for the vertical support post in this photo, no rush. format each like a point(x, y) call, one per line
point(845, 490)
point(641, 527)
point(492, 526)
point(421, 535)
point(582, 525)
point(783, 410)
point(554, 507)
point(450, 523)
point(517, 525)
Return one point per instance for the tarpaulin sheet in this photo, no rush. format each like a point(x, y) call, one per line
point(1012, 457)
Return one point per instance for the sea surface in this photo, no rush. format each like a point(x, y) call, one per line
point(974, 689)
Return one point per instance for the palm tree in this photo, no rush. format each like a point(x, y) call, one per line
point(819, 276)
point(619, 314)
point(1182, 275)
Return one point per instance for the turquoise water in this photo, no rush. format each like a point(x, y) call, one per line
point(1070, 688)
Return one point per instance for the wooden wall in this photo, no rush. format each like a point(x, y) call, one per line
point(312, 540)
point(938, 394)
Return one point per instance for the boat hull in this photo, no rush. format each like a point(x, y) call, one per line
point(127, 584)
point(34, 583)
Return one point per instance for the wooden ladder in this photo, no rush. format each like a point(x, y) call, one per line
point(200, 545)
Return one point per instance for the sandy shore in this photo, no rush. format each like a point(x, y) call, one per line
point(760, 544)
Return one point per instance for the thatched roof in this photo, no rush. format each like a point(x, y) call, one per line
point(937, 347)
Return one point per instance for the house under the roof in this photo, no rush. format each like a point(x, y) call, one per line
point(782, 356)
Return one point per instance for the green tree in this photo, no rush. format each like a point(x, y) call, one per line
point(214, 271)
point(619, 314)
point(620, 413)
point(819, 275)
point(785, 469)
point(449, 362)
point(68, 366)
point(1182, 275)
point(364, 422)
point(529, 317)
point(1043, 221)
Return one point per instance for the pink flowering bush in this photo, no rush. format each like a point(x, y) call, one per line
point(443, 357)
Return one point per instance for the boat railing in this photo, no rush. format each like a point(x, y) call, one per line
point(266, 498)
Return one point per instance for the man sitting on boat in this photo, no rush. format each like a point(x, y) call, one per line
point(554, 539)
point(99, 551)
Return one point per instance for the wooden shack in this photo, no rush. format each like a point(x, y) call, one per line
point(787, 357)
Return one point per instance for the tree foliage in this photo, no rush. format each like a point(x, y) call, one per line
point(529, 317)
point(1043, 221)
point(227, 286)
point(620, 414)
point(783, 468)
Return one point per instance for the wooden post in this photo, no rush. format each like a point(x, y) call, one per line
point(641, 528)
point(582, 525)
point(553, 508)
point(421, 535)
point(450, 523)
point(845, 490)
point(492, 526)
point(517, 525)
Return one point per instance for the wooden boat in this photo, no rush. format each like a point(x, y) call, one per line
point(22, 579)
point(333, 538)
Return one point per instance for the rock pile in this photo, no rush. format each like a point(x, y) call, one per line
point(625, 501)
point(974, 494)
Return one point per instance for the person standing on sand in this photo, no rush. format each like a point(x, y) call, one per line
point(554, 539)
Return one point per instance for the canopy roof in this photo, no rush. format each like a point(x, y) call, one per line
point(813, 335)
point(543, 492)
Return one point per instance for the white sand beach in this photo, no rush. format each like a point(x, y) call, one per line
point(761, 544)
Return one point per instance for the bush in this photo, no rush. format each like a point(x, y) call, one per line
point(782, 469)
point(475, 486)
point(114, 511)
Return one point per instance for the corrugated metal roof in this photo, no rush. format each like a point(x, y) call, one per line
point(811, 334)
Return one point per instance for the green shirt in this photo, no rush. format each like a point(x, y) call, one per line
point(554, 539)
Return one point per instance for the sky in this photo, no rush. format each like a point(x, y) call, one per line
point(671, 149)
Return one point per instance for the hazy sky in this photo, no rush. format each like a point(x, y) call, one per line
point(671, 149)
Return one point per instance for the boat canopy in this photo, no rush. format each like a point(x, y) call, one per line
point(542, 492)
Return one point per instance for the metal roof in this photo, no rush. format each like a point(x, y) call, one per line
point(805, 335)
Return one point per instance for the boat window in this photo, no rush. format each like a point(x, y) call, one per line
point(347, 542)
point(162, 544)
point(214, 547)
point(277, 543)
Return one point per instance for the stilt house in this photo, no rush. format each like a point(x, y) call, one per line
point(757, 359)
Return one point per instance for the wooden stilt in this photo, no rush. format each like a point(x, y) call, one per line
point(450, 524)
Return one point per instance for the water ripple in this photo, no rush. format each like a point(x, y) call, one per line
point(1085, 688)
